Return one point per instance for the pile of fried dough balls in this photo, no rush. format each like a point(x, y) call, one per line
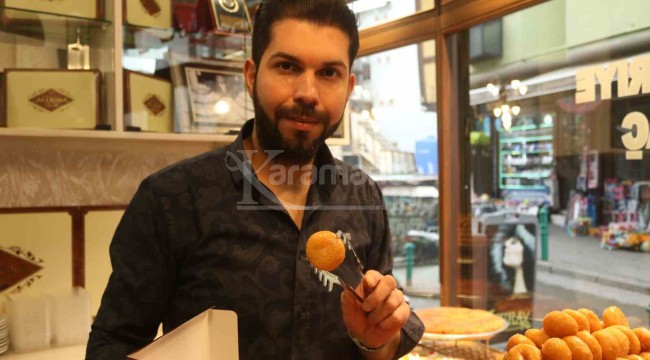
point(581, 335)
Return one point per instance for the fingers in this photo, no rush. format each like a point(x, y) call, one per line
point(394, 300)
point(397, 319)
point(384, 303)
point(381, 288)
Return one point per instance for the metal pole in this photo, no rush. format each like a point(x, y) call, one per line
point(410, 261)
point(543, 223)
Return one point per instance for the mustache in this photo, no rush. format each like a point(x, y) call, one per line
point(301, 110)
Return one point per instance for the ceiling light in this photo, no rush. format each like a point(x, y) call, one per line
point(506, 121)
point(548, 119)
point(523, 89)
point(221, 107)
point(493, 89)
point(516, 110)
point(497, 112)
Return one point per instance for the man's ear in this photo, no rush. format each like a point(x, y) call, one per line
point(250, 72)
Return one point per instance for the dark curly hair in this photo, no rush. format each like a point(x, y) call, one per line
point(334, 13)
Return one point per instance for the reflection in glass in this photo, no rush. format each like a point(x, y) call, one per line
point(394, 139)
point(550, 88)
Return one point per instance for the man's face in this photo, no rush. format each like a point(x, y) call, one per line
point(300, 88)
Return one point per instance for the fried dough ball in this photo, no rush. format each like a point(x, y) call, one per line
point(538, 336)
point(594, 321)
point(614, 316)
point(644, 338)
point(645, 355)
point(635, 344)
point(623, 342)
point(559, 324)
point(325, 250)
point(517, 339)
point(634, 357)
point(556, 349)
point(525, 352)
point(593, 344)
point(579, 349)
point(608, 344)
point(583, 323)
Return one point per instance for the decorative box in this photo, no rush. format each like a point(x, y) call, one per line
point(148, 102)
point(225, 15)
point(91, 9)
point(52, 99)
point(148, 13)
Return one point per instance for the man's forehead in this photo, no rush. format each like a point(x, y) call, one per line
point(285, 34)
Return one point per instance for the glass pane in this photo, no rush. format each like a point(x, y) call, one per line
point(394, 139)
point(559, 176)
point(376, 12)
point(38, 45)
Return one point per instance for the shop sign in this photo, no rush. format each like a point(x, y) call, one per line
point(636, 75)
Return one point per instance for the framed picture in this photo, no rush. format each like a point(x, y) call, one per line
point(211, 97)
point(52, 99)
point(148, 102)
point(341, 136)
point(225, 15)
point(148, 13)
point(91, 9)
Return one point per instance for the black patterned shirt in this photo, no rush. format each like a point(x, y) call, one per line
point(206, 233)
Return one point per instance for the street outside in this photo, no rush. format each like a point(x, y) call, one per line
point(578, 274)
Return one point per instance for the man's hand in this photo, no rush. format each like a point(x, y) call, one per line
point(384, 312)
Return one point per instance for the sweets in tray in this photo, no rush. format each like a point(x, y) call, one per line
point(581, 335)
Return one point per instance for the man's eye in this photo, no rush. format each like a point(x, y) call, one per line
point(287, 66)
point(329, 73)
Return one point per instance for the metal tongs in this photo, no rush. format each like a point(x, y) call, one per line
point(328, 279)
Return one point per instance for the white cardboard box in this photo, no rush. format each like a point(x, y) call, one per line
point(211, 335)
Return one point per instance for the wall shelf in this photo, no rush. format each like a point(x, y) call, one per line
point(114, 135)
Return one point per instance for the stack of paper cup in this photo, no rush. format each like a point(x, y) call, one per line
point(4, 334)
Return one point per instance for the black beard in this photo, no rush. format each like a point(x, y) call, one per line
point(299, 150)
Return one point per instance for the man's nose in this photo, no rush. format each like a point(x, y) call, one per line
point(306, 89)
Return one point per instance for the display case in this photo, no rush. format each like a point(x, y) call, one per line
point(55, 43)
point(526, 158)
point(114, 37)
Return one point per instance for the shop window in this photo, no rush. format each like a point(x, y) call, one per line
point(394, 140)
point(559, 171)
point(375, 12)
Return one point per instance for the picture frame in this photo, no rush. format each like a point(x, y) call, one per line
point(341, 136)
point(52, 98)
point(148, 102)
point(148, 13)
point(225, 15)
point(211, 97)
point(90, 9)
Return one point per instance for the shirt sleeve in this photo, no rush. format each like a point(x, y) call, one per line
point(140, 285)
point(382, 259)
